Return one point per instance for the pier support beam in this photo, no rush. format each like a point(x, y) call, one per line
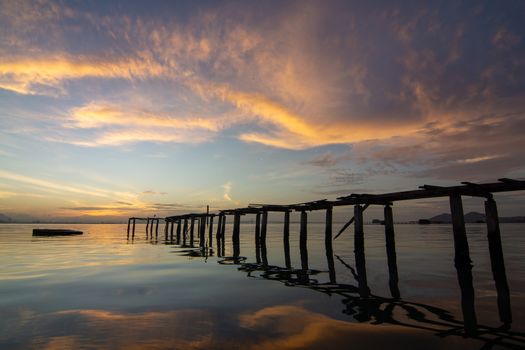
point(390, 242)
point(264, 227)
point(286, 240)
point(129, 223)
point(210, 233)
point(202, 232)
point(236, 228)
point(157, 228)
point(219, 227)
point(133, 229)
point(302, 240)
point(184, 232)
point(147, 226)
point(223, 228)
point(258, 238)
point(328, 245)
point(192, 231)
point(172, 229)
point(359, 251)
point(463, 264)
point(179, 224)
point(497, 262)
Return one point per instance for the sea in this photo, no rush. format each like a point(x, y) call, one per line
point(106, 289)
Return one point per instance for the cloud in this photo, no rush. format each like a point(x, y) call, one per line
point(27, 75)
point(323, 160)
point(227, 187)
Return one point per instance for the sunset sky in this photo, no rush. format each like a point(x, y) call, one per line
point(112, 109)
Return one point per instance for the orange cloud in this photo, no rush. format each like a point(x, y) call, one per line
point(24, 75)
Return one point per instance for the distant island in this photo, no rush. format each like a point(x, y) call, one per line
point(470, 218)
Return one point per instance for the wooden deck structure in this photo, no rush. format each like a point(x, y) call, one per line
point(186, 227)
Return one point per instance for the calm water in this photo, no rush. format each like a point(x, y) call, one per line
point(101, 290)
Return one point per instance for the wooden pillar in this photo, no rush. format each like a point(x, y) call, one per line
point(286, 240)
point(328, 245)
point(257, 229)
point(185, 231)
point(129, 223)
point(463, 264)
point(172, 228)
point(203, 231)
point(264, 227)
point(359, 251)
point(390, 242)
point(166, 226)
point(133, 230)
point(157, 228)
point(192, 231)
point(302, 240)
point(236, 227)
point(179, 224)
point(210, 232)
point(147, 225)
point(223, 229)
point(497, 261)
point(219, 227)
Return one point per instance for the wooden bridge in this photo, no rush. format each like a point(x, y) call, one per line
point(187, 224)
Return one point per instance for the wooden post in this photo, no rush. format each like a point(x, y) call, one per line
point(157, 228)
point(302, 240)
point(223, 229)
point(192, 231)
point(129, 223)
point(147, 225)
point(257, 230)
point(133, 230)
point(497, 262)
point(359, 251)
point(463, 264)
point(328, 245)
point(390, 242)
point(185, 231)
point(286, 240)
point(179, 224)
point(166, 225)
point(236, 227)
point(210, 233)
point(219, 227)
point(202, 232)
point(172, 228)
point(264, 227)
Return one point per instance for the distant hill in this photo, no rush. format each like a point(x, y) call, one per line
point(472, 217)
point(5, 218)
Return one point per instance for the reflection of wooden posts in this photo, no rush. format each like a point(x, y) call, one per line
point(302, 240)
point(192, 230)
point(359, 251)
point(264, 227)
point(328, 245)
point(497, 262)
point(184, 231)
point(391, 252)
point(286, 240)
point(463, 264)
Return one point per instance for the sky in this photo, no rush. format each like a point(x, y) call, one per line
point(110, 109)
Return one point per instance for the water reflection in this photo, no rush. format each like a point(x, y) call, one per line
point(365, 307)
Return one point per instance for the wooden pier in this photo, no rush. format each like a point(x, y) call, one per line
point(188, 224)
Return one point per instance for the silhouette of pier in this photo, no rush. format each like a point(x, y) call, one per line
point(189, 225)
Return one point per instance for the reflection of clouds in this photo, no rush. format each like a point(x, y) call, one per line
point(293, 327)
